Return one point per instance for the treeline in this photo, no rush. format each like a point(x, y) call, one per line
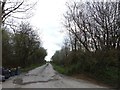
point(22, 48)
point(92, 46)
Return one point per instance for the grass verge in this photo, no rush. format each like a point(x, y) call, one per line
point(108, 78)
point(60, 69)
point(33, 66)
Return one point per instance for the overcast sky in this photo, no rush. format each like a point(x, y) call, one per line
point(48, 17)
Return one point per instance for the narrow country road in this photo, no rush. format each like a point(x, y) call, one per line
point(46, 77)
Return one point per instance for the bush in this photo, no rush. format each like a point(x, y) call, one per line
point(101, 65)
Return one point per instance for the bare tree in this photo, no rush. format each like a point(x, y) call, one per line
point(12, 9)
point(94, 24)
point(74, 21)
point(105, 18)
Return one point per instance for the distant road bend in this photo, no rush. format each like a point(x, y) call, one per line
point(46, 77)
